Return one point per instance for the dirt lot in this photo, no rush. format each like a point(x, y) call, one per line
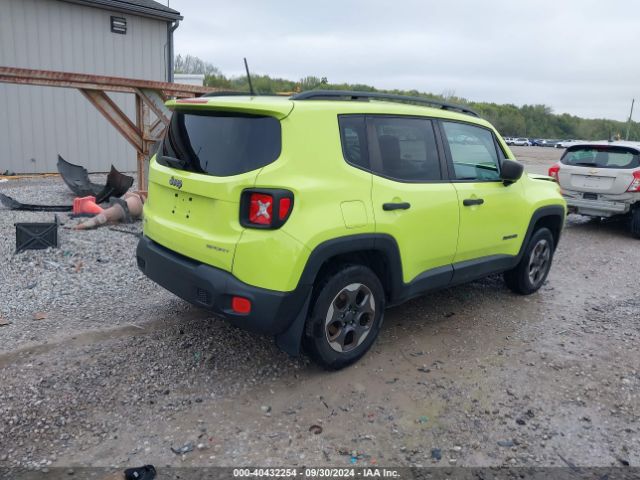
point(120, 372)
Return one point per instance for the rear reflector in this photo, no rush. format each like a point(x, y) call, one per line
point(285, 206)
point(241, 305)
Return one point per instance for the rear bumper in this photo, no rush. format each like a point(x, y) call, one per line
point(205, 286)
point(602, 208)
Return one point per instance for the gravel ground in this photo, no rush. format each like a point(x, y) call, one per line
point(470, 376)
point(90, 282)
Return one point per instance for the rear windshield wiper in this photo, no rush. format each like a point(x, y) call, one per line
point(172, 162)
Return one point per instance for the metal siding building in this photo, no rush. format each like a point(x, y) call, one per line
point(38, 122)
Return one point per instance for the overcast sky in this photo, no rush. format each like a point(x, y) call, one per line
point(577, 56)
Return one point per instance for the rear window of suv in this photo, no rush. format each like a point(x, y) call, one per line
point(601, 157)
point(219, 143)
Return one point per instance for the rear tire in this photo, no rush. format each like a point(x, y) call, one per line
point(635, 222)
point(532, 270)
point(346, 316)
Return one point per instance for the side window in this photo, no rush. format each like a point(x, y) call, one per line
point(473, 152)
point(353, 134)
point(403, 148)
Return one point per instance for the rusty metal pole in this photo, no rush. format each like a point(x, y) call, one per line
point(142, 122)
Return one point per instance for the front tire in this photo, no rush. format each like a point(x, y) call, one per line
point(345, 318)
point(532, 270)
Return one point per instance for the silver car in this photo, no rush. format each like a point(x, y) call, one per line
point(520, 142)
point(601, 179)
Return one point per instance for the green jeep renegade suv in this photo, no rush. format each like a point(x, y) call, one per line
point(305, 217)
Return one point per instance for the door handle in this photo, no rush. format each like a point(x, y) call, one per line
point(396, 206)
point(467, 202)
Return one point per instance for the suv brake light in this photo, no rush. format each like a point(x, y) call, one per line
point(265, 208)
point(554, 170)
point(635, 184)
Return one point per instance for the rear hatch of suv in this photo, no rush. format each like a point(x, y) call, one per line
point(598, 169)
point(213, 150)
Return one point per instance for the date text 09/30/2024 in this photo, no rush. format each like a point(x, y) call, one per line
point(316, 472)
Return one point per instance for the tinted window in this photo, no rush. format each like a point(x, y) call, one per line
point(221, 144)
point(403, 148)
point(601, 157)
point(354, 140)
point(473, 152)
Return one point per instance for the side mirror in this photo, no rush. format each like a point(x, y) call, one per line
point(511, 171)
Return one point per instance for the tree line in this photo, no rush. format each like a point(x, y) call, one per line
point(532, 121)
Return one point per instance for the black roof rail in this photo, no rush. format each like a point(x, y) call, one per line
point(354, 95)
point(233, 93)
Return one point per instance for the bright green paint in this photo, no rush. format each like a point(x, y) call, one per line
point(333, 199)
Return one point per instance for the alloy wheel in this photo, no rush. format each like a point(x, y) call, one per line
point(350, 317)
point(539, 261)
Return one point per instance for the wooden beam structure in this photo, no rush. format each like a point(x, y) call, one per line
point(152, 117)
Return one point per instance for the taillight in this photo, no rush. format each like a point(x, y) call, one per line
point(635, 184)
point(265, 208)
point(553, 171)
point(260, 209)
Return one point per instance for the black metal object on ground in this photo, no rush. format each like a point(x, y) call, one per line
point(36, 236)
point(77, 179)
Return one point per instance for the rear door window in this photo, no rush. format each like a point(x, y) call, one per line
point(601, 157)
point(398, 148)
point(221, 144)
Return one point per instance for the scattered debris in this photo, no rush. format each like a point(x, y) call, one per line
point(436, 454)
point(521, 421)
point(86, 206)
point(315, 429)
point(623, 461)
point(13, 204)
point(125, 210)
point(39, 316)
point(424, 369)
point(186, 448)
point(506, 443)
point(423, 419)
point(148, 472)
point(265, 409)
point(4, 322)
point(571, 465)
point(77, 179)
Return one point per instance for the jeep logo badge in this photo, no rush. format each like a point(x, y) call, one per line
point(175, 182)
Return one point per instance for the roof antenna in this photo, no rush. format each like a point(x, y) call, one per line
point(246, 67)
